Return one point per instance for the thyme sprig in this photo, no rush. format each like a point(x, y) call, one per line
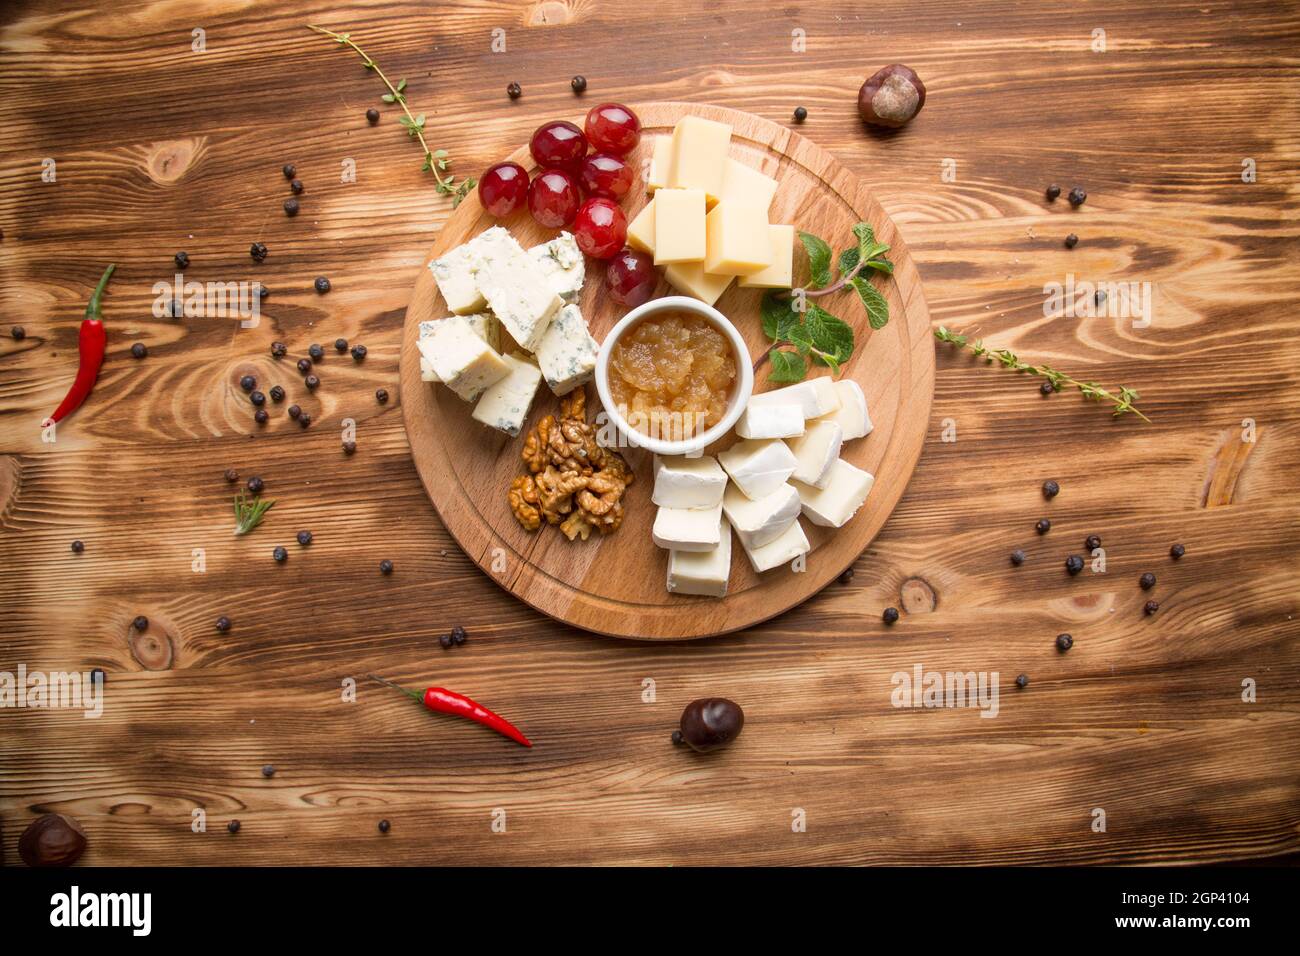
point(435, 160)
point(249, 512)
point(1122, 402)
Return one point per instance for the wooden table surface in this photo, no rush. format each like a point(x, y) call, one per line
point(158, 148)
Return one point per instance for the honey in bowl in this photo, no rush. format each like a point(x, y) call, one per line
point(671, 375)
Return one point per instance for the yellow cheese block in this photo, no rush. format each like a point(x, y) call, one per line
point(737, 239)
point(699, 155)
point(641, 231)
point(744, 182)
point(690, 277)
point(661, 164)
point(780, 274)
point(679, 226)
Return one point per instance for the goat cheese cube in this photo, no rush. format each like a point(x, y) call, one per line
point(852, 415)
point(845, 491)
point(817, 450)
point(562, 262)
point(515, 288)
point(702, 572)
point(567, 352)
point(770, 421)
point(454, 275)
point(685, 482)
point(784, 548)
point(460, 357)
point(504, 406)
point(758, 522)
point(816, 396)
point(688, 529)
point(758, 466)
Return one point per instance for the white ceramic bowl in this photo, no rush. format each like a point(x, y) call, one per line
point(741, 389)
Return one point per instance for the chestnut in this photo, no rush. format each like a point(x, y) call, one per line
point(891, 96)
point(711, 723)
point(52, 840)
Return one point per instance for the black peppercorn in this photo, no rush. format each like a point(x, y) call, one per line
point(1074, 564)
point(256, 397)
point(578, 83)
point(289, 170)
point(268, 770)
point(1051, 489)
point(304, 420)
point(372, 115)
point(459, 635)
point(381, 395)
point(304, 365)
point(261, 416)
point(1017, 557)
point(280, 554)
point(1151, 607)
point(296, 186)
point(349, 447)
point(1046, 387)
point(1022, 681)
point(304, 538)
point(1092, 542)
point(1071, 241)
point(141, 623)
point(294, 411)
point(1064, 642)
point(316, 352)
point(800, 114)
point(182, 259)
point(514, 91)
point(231, 475)
point(1177, 551)
point(258, 251)
point(138, 350)
point(1052, 192)
point(255, 485)
point(359, 352)
point(78, 546)
point(279, 350)
point(846, 576)
point(385, 566)
point(384, 826)
point(311, 381)
point(677, 738)
point(1043, 526)
point(247, 383)
point(277, 393)
point(233, 826)
point(1077, 196)
point(322, 284)
point(291, 207)
point(18, 333)
point(445, 641)
point(223, 624)
point(890, 615)
point(340, 345)
point(1147, 581)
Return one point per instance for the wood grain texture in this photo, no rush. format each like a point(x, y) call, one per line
point(159, 148)
point(615, 585)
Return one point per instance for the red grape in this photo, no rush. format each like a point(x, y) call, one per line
point(553, 198)
point(503, 189)
point(631, 277)
point(606, 175)
point(560, 144)
point(613, 128)
point(600, 228)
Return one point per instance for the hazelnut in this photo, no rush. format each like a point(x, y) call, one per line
point(892, 96)
point(52, 840)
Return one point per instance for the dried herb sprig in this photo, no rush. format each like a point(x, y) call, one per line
point(1122, 402)
point(249, 511)
point(435, 160)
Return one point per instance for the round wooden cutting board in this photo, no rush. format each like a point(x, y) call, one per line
point(616, 585)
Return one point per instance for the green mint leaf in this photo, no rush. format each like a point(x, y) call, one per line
point(779, 317)
point(876, 306)
point(389, 98)
point(787, 366)
point(848, 261)
point(829, 336)
point(819, 259)
point(880, 265)
point(401, 85)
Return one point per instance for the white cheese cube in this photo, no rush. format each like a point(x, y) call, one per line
point(460, 358)
point(852, 415)
point(816, 396)
point(504, 406)
point(702, 572)
point(515, 288)
point(688, 529)
point(782, 549)
point(685, 482)
point(761, 521)
point(770, 421)
point(816, 450)
point(484, 324)
point(454, 274)
point(567, 352)
point(758, 466)
point(562, 262)
point(832, 506)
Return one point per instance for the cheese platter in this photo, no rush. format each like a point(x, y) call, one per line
point(514, 339)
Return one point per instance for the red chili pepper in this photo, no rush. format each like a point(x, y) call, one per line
point(449, 702)
point(92, 342)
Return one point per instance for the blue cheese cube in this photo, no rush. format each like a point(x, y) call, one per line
point(562, 261)
point(460, 358)
point(504, 406)
point(454, 274)
point(515, 288)
point(567, 353)
point(483, 323)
